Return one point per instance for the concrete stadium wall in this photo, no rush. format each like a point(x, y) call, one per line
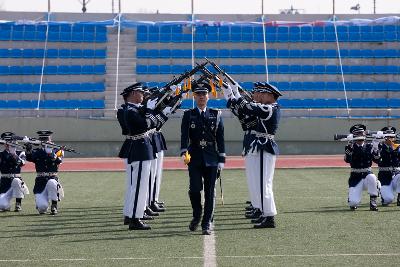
point(102, 138)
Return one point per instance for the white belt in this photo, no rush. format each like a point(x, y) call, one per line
point(46, 174)
point(386, 169)
point(11, 175)
point(141, 136)
point(265, 135)
point(360, 170)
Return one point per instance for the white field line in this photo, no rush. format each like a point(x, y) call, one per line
point(209, 251)
point(227, 256)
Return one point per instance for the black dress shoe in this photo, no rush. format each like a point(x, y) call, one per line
point(150, 212)
point(137, 224)
point(147, 217)
point(154, 207)
point(248, 202)
point(257, 213)
point(398, 199)
point(372, 204)
point(268, 222)
point(194, 224)
point(353, 208)
point(160, 202)
point(258, 220)
point(127, 220)
point(206, 231)
point(249, 207)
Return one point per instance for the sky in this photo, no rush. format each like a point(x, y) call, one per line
point(206, 6)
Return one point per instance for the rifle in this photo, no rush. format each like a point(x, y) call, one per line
point(242, 91)
point(8, 143)
point(166, 91)
point(370, 135)
point(37, 142)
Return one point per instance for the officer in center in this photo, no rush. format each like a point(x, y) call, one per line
point(202, 137)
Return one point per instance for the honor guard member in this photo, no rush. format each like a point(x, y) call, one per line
point(248, 123)
point(263, 149)
point(11, 183)
point(137, 123)
point(47, 185)
point(388, 163)
point(360, 156)
point(202, 137)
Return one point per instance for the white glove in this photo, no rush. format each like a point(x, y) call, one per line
point(228, 92)
point(375, 145)
point(151, 104)
point(48, 150)
point(173, 87)
point(13, 150)
point(167, 111)
point(379, 135)
point(235, 90)
point(221, 166)
point(25, 139)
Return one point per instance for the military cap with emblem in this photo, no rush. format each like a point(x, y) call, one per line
point(134, 87)
point(201, 88)
point(264, 87)
point(358, 129)
point(44, 134)
point(389, 131)
point(8, 136)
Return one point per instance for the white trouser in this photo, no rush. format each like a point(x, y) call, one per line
point(52, 192)
point(152, 178)
point(18, 189)
point(388, 191)
point(137, 176)
point(252, 181)
point(369, 183)
point(262, 170)
point(159, 171)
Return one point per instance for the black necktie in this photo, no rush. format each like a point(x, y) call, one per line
point(202, 115)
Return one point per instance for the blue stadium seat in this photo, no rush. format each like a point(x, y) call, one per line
point(282, 37)
point(176, 69)
point(74, 69)
point(393, 103)
point(247, 53)
point(332, 69)
point(295, 69)
point(224, 53)
point(318, 53)
point(354, 37)
point(306, 37)
point(271, 53)
point(165, 69)
point(15, 53)
point(259, 53)
point(331, 53)
point(50, 70)
point(318, 37)
point(141, 69)
point(50, 53)
point(295, 53)
point(259, 69)
point(248, 69)
point(141, 29)
point(212, 53)
point(308, 86)
point(165, 37)
point(141, 53)
point(236, 53)
point(153, 37)
point(87, 53)
point(75, 53)
point(17, 70)
point(64, 53)
point(247, 37)
point(99, 69)
point(283, 53)
point(28, 53)
point(153, 53)
point(236, 37)
point(283, 68)
point(176, 29)
point(212, 37)
point(200, 53)
point(165, 53)
point(142, 37)
point(307, 69)
point(306, 53)
point(153, 69)
point(236, 69)
point(319, 69)
point(392, 53)
point(224, 37)
point(176, 53)
point(4, 53)
point(331, 86)
point(390, 36)
point(86, 69)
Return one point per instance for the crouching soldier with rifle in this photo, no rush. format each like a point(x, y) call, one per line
point(360, 155)
point(47, 159)
point(12, 158)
